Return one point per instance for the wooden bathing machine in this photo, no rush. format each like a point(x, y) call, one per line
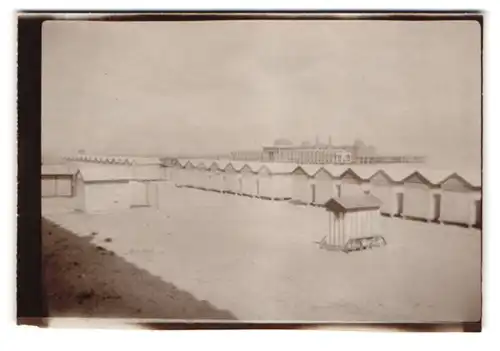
point(352, 217)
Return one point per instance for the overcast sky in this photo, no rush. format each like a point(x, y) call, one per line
point(220, 86)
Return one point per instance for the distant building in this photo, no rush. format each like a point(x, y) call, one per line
point(307, 154)
point(283, 150)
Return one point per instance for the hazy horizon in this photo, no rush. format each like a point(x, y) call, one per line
point(216, 87)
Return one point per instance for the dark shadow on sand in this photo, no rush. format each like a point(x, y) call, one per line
point(82, 279)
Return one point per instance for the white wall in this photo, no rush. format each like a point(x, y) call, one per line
point(351, 189)
point(281, 186)
point(215, 181)
point(361, 224)
point(139, 193)
point(231, 182)
point(80, 195)
point(249, 184)
point(301, 190)
point(325, 187)
point(265, 185)
point(48, 187)
point(417, 201)
point(387, 195)
point(64, 186)
point(458, 207)
point(352, 225)
point(148, 172)
point(104, 197)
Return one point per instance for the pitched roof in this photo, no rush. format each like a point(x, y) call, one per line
point(398, 172)
point(470, 178)
point(183, 161)
point(353, 203)
point(222, 163)
point(365, 172)
point(104, 174)
point(201, 164)
point(237, 165)
point(58, 170)
point(350, 171)
point(335, 170)
point(146, 160)
point(278, 168)
point(264, 168)
point(434, 176)
point(254, 166)
point(310, 169)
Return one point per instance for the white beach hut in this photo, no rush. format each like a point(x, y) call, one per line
point(324, 186)
point(99, 189)
point(417, 197)
point(215, 181)
point(352, 217)
point(281, 179)
point(189, 174)
point(351, 184)
point(461, 200)
point(249, 179)
point(200, 175)
point(231, 180)
point(301, 187)
point(264, 183)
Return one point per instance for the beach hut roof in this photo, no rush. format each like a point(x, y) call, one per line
point(311, 170)
point(319, 169)
point(434, 176)
point(200, 164)
point(237, 165)
point(222, 163)
point(254, 166)
point(214, 164)
point(419, 176)
point(183, 161)
point(353, 203)
point(472, 179)
point(189, 164)
point(335, 170)
point(264, 167)
point(146, 160)
point(58, 170)
point(351, 172)
point(398, 172)
point(104, 174)
point(365, 172)
point(281, 168)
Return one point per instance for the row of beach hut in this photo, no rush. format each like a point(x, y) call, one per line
point(414, 193)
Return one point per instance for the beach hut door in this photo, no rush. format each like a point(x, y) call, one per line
point(139, 194)
point(479, 213)
point(399, 209)
point(437, 207)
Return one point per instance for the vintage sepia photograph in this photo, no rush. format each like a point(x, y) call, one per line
point(262, 169)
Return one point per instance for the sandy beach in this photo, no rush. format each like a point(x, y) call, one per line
point(204, 255)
